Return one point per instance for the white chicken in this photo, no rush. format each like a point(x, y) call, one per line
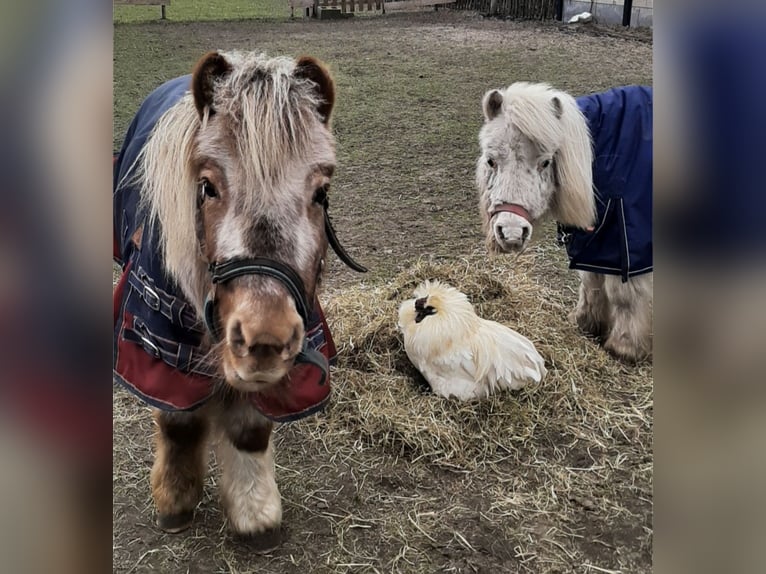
point(459, 353)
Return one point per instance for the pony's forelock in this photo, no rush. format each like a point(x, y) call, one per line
point(275, 116)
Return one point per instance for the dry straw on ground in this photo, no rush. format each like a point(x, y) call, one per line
point(391, 478)
point(379, 395)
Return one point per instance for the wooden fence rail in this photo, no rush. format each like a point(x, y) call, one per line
point(522, 9)
point(312, 7)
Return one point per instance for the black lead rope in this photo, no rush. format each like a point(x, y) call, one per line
point(337, 247)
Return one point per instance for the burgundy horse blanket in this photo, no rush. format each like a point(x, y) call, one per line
point(159, 341)
point(620, 123)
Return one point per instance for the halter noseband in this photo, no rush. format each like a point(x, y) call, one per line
point(231, 268)
point(511, 208)
point(228, 269)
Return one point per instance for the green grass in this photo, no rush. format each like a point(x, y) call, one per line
point(197, 10)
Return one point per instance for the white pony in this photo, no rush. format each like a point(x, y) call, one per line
point(588, 163)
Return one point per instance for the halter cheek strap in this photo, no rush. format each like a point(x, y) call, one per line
point(511, 208)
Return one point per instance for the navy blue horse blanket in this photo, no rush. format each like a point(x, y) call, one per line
point(159, 345)
point(620, 123)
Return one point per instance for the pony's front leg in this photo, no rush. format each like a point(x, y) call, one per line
point(248, 485)
point(179, 467)
point(630, 338)
point(592, 312)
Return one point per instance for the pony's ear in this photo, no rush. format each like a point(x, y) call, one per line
point(312, 69)
point(558, 109)
point(574, 203)
point(492, 104)
point(210, 68)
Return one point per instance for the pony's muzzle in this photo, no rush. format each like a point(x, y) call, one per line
point(263, 333)
point(511, 232)
point(260, 344)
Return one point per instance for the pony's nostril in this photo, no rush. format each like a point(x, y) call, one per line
point(524, 233)
point(500, 234)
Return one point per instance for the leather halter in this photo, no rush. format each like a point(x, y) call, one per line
point(511, 208)
point(226, 270)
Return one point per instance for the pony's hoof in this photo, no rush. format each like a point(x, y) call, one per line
point(262, 542)
point(625, 353)
point(588, 325)
point(175, 523)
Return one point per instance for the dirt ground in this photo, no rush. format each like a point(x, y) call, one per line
point(409, 88)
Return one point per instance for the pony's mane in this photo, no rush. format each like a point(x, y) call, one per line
point(530, 108)
point(272, 115)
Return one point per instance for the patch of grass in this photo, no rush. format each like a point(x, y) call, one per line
point(201, 10)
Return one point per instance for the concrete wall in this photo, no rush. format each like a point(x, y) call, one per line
point(610, 11)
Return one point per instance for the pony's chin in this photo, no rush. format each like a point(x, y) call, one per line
point(496, 248)
point(254, 382)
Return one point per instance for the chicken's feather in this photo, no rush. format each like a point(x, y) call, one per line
point(461, 354)
point(506, 358)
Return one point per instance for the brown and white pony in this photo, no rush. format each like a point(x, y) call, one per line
point(238, 169)
point(536, 160)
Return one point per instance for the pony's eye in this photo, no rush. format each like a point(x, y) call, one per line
point(491, 162)
point(206, 189)
point(320, 195)
point(545, 163)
